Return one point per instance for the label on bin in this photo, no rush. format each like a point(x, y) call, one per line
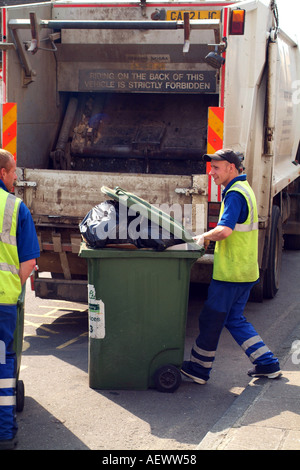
point(96, 315)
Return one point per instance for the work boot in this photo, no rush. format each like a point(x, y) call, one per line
point(8, 444)
point(270, 371)
point(186, 370)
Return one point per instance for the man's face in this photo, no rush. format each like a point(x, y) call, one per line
point(8, 176)
point(222, 172)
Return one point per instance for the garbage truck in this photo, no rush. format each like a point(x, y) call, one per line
point(132, 94)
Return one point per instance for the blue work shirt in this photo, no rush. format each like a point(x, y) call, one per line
point(235, 205)
point(27, 241)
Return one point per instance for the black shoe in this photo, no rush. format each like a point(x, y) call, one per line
point(8, 444)
point(189, 373)
point(271, 371)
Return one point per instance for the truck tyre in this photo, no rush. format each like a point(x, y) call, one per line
point(272, 274)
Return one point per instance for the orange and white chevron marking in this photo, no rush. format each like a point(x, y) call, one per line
point(9, 128)
point(215, 133)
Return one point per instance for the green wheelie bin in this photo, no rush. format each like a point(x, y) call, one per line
point(138, 302)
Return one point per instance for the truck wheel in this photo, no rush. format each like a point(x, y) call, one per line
point(20, 395)
point(167, 378)
point(272, 274)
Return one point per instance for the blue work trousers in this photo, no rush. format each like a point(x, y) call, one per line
point(225, 307)
point(8, 425)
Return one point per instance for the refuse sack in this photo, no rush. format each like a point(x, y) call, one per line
point(104, 224)
point(101, 225)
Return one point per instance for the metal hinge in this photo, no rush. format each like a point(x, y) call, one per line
point(262, 222)
point(190, 191)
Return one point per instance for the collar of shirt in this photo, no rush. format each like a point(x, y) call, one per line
point(237, 178)
point(2, 185)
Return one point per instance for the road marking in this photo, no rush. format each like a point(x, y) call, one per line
point(71, 341)
point(37, 325)
point(56, 313)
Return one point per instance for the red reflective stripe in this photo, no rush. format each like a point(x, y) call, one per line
point(135, 5)
point(222, 80)
point(214, 139)
point(4, 55)
point(9, 134)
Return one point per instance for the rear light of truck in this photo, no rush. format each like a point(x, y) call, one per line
point(213, 214)
point(237, 22)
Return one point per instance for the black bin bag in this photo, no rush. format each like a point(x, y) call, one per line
point(105, 225)
point(101, 225)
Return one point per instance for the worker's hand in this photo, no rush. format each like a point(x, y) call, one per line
point(199, 239)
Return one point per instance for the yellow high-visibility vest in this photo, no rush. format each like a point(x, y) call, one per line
point(235, 257)
point(10, 283)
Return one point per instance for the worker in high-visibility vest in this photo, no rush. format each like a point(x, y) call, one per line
point(235, 272)
point(19, 249)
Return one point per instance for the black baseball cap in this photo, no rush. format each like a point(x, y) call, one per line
point(226, 154)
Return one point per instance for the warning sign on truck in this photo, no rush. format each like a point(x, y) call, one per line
point(167, 81)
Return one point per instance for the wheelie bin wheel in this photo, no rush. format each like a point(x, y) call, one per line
point(167, 378)
point(20, 395)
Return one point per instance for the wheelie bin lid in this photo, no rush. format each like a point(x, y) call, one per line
point(163, 219)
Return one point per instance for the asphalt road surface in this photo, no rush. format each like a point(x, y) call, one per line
point(61, 412)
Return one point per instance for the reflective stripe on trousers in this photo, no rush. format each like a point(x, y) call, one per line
point(8, 425)
point(7, 392)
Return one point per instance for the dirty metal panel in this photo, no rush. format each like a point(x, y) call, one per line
point(136, 55)
point(129, 37)
point(99, 10)
point(65, 193)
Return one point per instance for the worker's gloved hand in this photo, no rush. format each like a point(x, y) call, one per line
point(199, 239)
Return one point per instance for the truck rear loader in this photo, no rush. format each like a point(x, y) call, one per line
point(132, 94)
